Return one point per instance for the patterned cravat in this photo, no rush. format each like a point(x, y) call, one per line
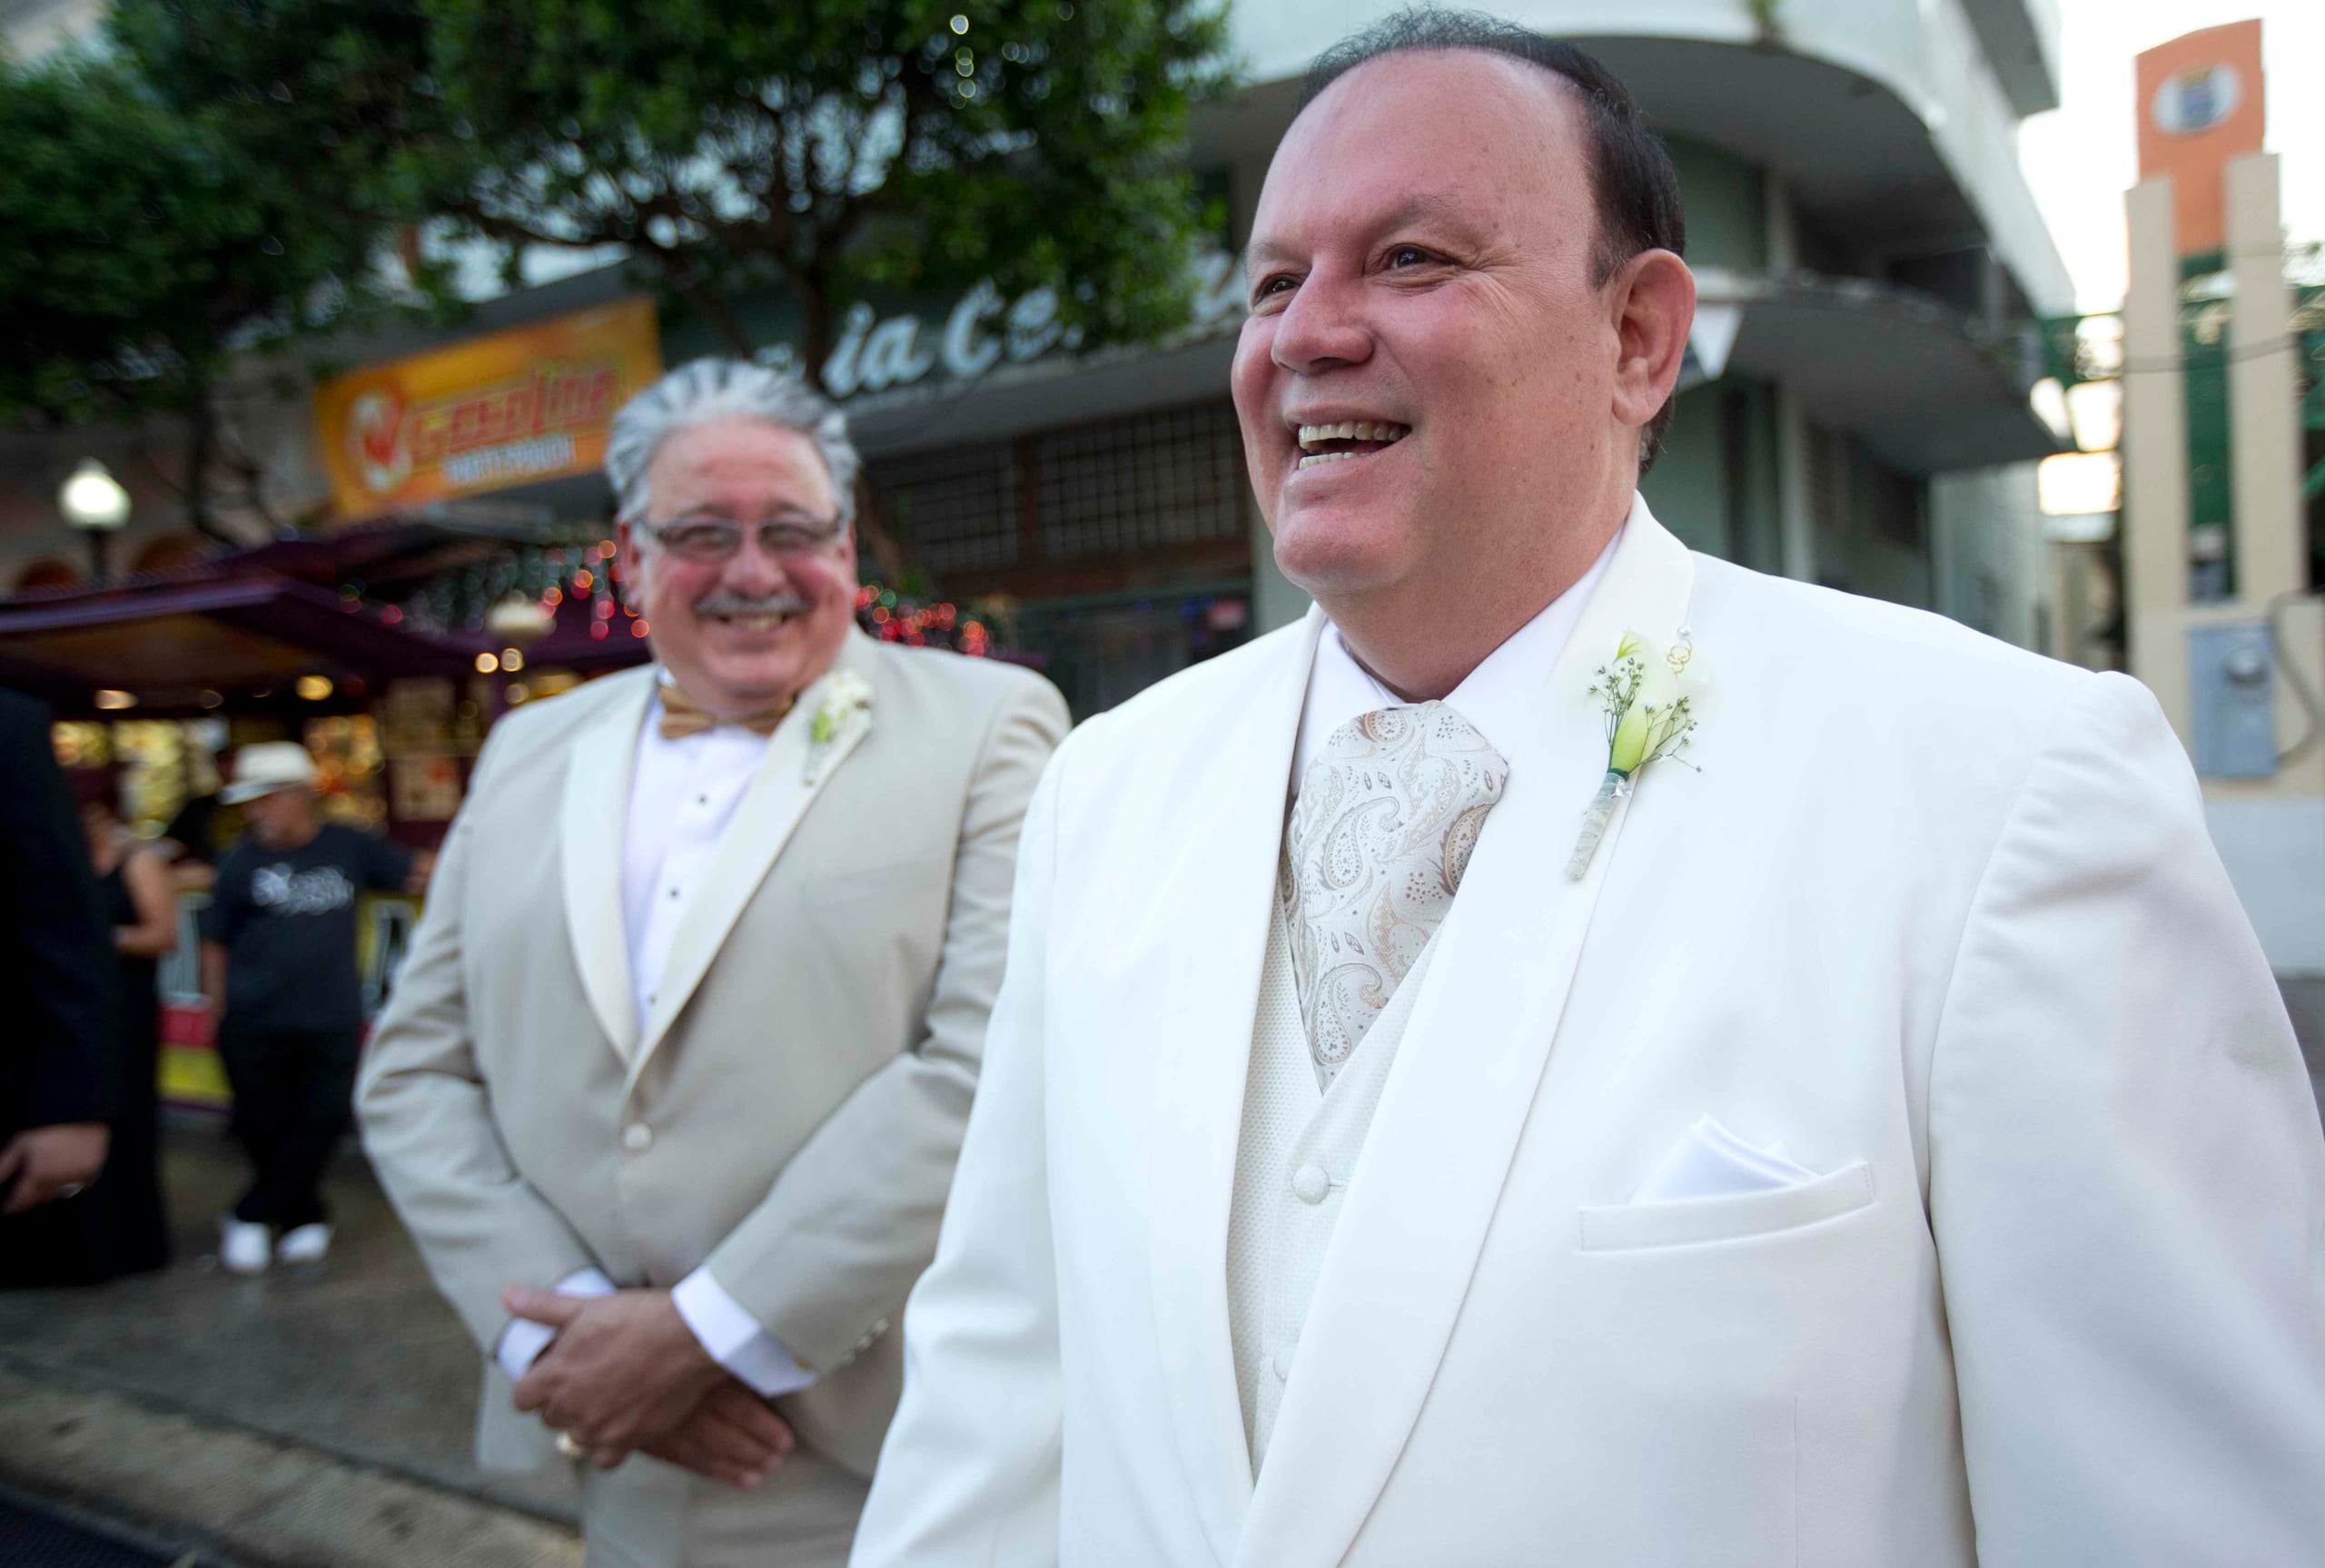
point(1383, 831)
point(683, 717)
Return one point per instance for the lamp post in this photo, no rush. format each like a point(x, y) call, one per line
point(93, 502)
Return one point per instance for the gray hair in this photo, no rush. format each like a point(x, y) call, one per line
point(705, 390)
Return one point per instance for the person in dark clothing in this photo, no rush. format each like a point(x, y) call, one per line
point(278, 960)
point(59, 1072)
point(124, 1226)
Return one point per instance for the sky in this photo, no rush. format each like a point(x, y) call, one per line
point(2080, 158)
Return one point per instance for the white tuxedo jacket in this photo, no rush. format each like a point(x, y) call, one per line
point(1939, 916)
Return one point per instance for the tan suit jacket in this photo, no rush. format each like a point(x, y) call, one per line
point(789, 1113)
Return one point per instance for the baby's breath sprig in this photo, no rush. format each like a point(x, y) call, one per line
point(1647, 721)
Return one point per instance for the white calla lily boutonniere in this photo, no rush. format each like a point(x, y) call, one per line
point(847, 707)
point(1650, 698)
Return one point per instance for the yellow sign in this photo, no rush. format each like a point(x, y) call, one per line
point(534, 402)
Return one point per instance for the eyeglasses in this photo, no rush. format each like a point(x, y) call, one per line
point(708, 540)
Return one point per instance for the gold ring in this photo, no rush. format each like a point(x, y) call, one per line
point(569, 1448)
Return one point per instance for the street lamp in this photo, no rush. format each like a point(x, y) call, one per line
point(93, 502)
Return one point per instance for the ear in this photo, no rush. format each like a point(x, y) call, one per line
point(630, 546)
point(1653, 302)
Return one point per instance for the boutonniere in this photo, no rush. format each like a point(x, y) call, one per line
point(1649, 697)
point(847, 707)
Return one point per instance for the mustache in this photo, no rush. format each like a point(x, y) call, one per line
point(722, 603)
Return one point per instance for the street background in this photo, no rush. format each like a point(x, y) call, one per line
point(2013, 311)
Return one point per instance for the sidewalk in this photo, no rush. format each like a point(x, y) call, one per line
point(314, 1417)
point(319, 1415)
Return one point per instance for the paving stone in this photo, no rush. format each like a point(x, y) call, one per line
point(267, 1501)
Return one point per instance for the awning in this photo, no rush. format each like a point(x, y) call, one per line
point(166, 643)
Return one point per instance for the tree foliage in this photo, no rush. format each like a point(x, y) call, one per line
point(138, 249)
point(834, 147)
point(141, 249)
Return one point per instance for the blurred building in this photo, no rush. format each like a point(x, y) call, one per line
point(2222, 378)
point(1854, 410)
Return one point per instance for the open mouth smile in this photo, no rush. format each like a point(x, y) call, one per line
point(751, 620)
point(1321, 444)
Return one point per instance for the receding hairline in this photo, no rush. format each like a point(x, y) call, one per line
point(1517, 67)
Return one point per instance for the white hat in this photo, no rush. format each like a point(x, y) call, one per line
point(268, 766)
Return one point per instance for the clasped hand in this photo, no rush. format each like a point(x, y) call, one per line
point(42, 1164)
point(625, 1375)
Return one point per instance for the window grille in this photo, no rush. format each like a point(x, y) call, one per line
point(1896, 507)
point(955, 508)
point(1169, 477)
point(1827, 456)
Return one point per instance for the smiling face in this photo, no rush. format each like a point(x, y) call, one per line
point(742, 635)
point(1438, 401)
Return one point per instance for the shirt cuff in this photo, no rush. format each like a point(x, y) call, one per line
point(521, 1343)
point(734, 1339)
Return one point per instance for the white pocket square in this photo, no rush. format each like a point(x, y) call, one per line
point(1710, 1161)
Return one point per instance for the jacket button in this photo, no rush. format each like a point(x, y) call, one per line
point(637, 1138)
point(1310, 1183)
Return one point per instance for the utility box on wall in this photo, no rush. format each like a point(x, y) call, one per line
point(2231, 685)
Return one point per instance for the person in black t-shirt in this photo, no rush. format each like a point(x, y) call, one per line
point(278, 961)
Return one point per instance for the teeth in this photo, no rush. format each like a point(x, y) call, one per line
point(1312, 459)
point(1352, 431)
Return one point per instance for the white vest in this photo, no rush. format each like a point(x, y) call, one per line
point(1299, 1145)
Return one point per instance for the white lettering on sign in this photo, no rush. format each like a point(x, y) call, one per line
point(969, 351)
point(893, 356)
point(513, 460)
point(874, 353)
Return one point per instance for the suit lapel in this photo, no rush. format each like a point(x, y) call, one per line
point(594, 811)
point(1224, 879)
point(1424, 1190)
point(778, 796)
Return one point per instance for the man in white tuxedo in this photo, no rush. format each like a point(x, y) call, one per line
point(671, 1084)
point(1885, 1145)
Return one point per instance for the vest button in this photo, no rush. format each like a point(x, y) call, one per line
point(1310, 1183)
point(1283, 1362)
point(637, 1138)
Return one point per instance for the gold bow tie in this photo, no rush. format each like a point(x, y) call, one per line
point(683, 717)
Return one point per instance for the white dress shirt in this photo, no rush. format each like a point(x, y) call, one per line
point(1495, 697)
point(682, 795)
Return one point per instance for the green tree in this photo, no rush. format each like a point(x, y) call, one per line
point(142, 249)
point(833, 146)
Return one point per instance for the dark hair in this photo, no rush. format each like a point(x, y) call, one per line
point(1632, 183)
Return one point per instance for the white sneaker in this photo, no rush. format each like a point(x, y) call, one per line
point(303, 1244)
point(243, 1247)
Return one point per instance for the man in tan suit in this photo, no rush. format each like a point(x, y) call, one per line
point(671, 1085)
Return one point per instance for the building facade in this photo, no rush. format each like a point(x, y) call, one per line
point(1854, 412)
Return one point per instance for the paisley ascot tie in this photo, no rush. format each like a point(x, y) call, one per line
point(683, 717)
point(1387, 815)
